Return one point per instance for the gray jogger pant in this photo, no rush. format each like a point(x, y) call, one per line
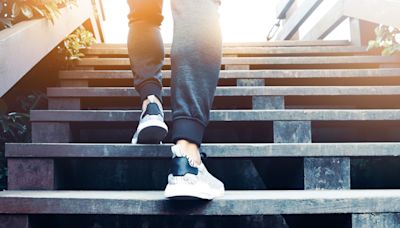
point(195, 59)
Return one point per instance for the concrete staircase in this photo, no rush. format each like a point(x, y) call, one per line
point(294, 128)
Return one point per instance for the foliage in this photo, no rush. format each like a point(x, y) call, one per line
point(387, 38)
point(15, 127)
point(14, 11)
point(74, 44)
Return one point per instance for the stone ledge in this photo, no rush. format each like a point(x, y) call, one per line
point(233, 203)
point(237, 150)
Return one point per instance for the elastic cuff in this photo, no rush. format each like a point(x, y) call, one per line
point(149, 88)
point(188, 129)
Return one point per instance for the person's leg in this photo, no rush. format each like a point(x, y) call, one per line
point(196, 61)
point(146, 53)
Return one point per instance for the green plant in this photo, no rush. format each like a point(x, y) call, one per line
point(14, 11)
point(15, 127)
point(387, 38)
point(41, 8)
point(73, 45)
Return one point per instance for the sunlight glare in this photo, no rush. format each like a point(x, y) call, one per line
point(241, 20)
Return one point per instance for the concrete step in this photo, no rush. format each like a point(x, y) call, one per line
point(314, 50)
point(222, 115)
point(235, 150)
point(325, 60)
point(233, 203)
point(285, 43)
point(244, 74)
point(79, 92)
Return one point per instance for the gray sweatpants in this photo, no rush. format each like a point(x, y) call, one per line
point(195, 58)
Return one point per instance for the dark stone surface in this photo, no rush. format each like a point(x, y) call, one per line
point(14, 221)
point(327, 173)
point(265, 202)
point(51, 132)
point(376, 220)
point(268, 102)
point(221, 115)
point(111, 221)
point(292, 131)
point(250, 82)
point(32, 174)
point(64, 104)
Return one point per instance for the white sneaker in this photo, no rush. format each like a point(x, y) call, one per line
point(152, 128)
point(187, 180)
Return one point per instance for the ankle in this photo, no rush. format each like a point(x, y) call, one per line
point(191, 150)
point(148, 99)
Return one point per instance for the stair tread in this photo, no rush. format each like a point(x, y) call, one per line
point(233, 91)
point(283, 43)
point(260, 60)
point(339, 73)
point(229, 150)
point(223, 115)
point(233, 203)
point(123, 50)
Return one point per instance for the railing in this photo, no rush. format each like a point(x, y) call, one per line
point(363, 15)
point(28, 42)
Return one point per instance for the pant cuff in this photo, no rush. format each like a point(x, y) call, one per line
point(149, 88)
point(188, 129)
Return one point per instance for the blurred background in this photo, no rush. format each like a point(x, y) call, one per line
point(241, 20)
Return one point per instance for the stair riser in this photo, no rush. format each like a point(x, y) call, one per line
point(253, 74)
point(319, 173)
point(243, 63)
point(236, 102)
point(259, 51)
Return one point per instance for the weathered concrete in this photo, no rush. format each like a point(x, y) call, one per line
point(246, 87)
point(123, 50)
point(248, 83)
point(64, 103)
point(226, 74)
point(221, 115)
point(214, 150)
point(327, 173)
point(154, 203)
point(376, 220)
point(14, 221)
point(32, 174)
point(243, 62)
point(292, 131)
point(268, 102)
point(51, 132)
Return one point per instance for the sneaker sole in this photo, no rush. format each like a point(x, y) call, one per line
point(185, 191)
point(151, 132)
point(152, 135)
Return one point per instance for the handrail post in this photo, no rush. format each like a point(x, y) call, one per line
point(361, 32)
point(95, 24)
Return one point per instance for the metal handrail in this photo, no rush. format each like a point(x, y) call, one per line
point(376, 11)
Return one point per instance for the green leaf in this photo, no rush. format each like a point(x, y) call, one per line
point(27, 11)
point(386, 52)
point(39, 11)
point(15, 9)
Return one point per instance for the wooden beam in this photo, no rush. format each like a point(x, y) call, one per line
point(298, 18)
point(282, 8)
point(327, 23)
point(378, 11)
point(25, 44)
